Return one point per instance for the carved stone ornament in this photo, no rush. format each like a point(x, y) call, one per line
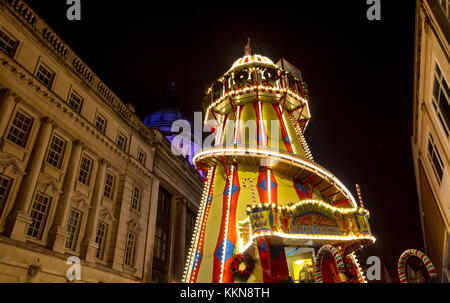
point(80, 201)
point(134, 226)
point(106, 215)
point(48, 186)
point(10, 166)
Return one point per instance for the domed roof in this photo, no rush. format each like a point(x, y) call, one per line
point(249, 59)
point(164, 118)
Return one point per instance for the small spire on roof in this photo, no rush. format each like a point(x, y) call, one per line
point(248, 48)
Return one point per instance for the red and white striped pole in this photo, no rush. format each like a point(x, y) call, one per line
point(361, 203)
point(252, 188)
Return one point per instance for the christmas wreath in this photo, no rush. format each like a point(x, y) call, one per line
point(271, 74)
point(240, 76)
point(242, 266)
point(351, 271)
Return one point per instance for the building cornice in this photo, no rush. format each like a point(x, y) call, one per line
point(165, 148)
point(69, 59)
point(23, 75)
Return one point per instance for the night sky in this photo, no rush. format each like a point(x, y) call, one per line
point(359, 72)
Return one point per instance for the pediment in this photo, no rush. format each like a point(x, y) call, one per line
point(106, 215)
point(9, 165)
point(81, 201)
point(134, 226)
point(48, 186)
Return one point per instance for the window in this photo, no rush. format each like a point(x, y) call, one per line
point(75, 101)
point(160, 253)
point(100, 123)
point(130, 249)
point(142, 156)
point(164, 204)
point(73, 228)
point(84, 174)
point(56, 152)
point(441, 99)
point(435, 159)
point(45, 75)
point(109, 186)
point(100, 238)
point(5, 184)
point(158, 276)
point(122, 141)
point(8, 44)
point(20, 129)
point(136, 199)
point(38, 215)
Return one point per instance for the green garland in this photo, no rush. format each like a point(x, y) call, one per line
point(242, 275)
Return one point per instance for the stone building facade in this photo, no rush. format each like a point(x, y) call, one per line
point(80, 174)
point(431, 129)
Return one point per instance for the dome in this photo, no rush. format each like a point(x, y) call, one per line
point(164, 118)
point(249, 59)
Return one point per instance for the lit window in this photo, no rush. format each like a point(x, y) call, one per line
point(5, 184)
point(142, 156)
point(7, 44)
point(45, 75)
point(75, 101)
point(20, 129)
point(441, 99)
point(109, 185)
point(84, 174)
point(73, 228)
point(136, 199)
point(130, 249)
point(100, 239)
point(38, 215)
point(122, 141)
point(435, 159)
point(100, 123)
point(56, 152)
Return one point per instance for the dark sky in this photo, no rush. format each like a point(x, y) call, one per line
point(360, 75)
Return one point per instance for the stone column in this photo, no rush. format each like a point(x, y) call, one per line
point(58, 233)
point(172, 229)
point(148, 258)
point(19, 220)
point(7, 104)
point(180, 241)
point(88, 246)
point(177, 239)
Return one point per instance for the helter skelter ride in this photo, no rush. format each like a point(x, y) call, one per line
point(269, 213)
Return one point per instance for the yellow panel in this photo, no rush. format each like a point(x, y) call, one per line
point(285, 189)
point(276, 139)
point(212, 228)
point(245, 195)
point(247, 122)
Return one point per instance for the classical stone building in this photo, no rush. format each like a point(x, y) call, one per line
point(80, 174)
point(431, 129)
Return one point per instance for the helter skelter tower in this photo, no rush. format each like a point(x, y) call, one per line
point(264, 195)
